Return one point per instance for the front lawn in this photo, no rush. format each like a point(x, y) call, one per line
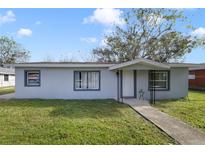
point(75, 122)
point(190, 110)
point(6, 90)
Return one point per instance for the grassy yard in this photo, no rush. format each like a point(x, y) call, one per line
point(74, 122)
point(191, 111)
point(6, 90)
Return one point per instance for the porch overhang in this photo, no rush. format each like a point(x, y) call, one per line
point(140, 64)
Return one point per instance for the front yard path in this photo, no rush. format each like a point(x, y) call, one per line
point(180, 131)
point(7, 96)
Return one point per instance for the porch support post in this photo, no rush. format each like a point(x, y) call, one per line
point(118, 87)
point(121, 85)
point(152, 89)
point(135, 83)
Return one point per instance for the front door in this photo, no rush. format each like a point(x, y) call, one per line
point(128, 83)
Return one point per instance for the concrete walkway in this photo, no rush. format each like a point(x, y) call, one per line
point(7, 96)
point(180, 131)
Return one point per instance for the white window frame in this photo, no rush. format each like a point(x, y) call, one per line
point(87, 82)
point(192, 75)
point(167, 80)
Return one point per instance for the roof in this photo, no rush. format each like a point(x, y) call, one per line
point(110, 65)
point(201, 67)
point(6, 70)
point(189, 65)
point(139, 61)
point(63, 64)
point(68, 63)
point(196, 69)
point(153, 64)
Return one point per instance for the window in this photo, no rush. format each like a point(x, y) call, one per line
point(159, 80)
point(192, 75)
point(6, 77)
point(32, 78)
point(86, 80)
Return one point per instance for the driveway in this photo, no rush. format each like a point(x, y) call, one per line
point(180, 131)
point(7, 96)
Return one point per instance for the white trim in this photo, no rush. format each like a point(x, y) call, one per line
point(60, 65)
point(195, 69)
point(201, 67)
point(110, 66)
point(165, 80)
point(189, 65)
point(139, 60)
point(192, 77)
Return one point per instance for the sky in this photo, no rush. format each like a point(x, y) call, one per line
point(71, 34)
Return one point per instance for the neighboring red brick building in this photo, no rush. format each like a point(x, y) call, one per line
point(197, 79)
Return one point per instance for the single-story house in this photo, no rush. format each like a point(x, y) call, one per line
point(7, 77)
point(197, 78)
point(98, 80)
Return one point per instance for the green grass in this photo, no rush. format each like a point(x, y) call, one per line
point(75, 122)
point(6, 90)
point(190, 110)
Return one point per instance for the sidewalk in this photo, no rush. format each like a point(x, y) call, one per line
point(180, 131)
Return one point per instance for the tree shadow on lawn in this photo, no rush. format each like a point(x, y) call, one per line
point(70, 108)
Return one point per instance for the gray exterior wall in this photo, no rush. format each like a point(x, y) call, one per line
point(58, 83)
point(178, 84)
